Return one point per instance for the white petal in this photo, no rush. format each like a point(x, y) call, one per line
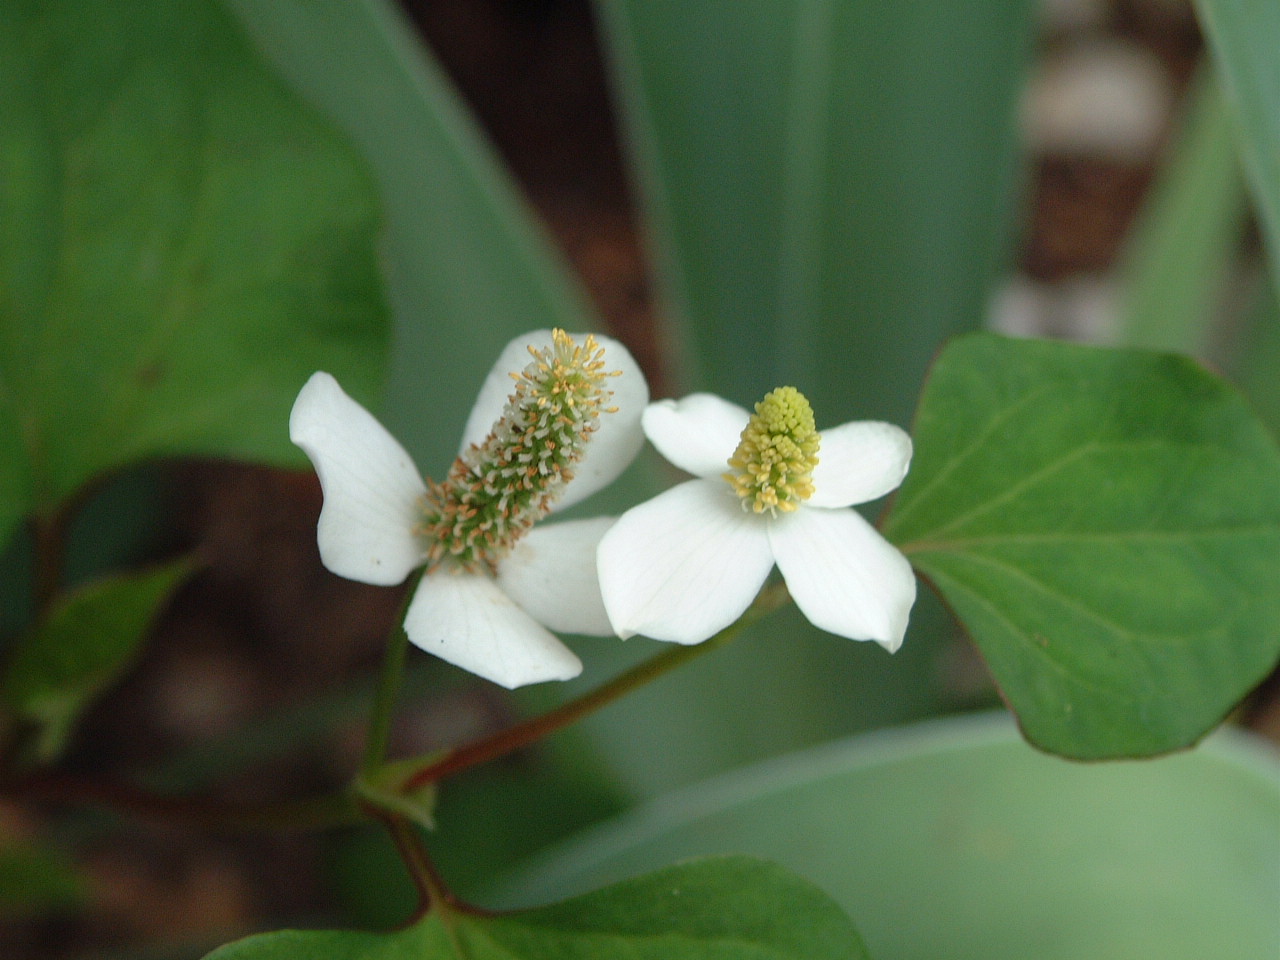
point(467, 620)
point(698, 434)
point(551, 574)
point(683, 565)
point(371, 487)
point(858, 462)
point(614, 445)
point(844, 576)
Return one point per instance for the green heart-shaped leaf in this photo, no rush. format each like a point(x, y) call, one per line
point(723, 908)
point(1106, 523)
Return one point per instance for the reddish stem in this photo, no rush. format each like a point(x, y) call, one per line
point(533, 730)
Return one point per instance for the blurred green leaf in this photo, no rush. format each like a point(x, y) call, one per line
point(1176, 260)
point(1258, 356)
point(826, 184)
point(1106, 523)
point(185, 243)
point(14, 483)
point(371, 887)
point(86, 642)
point(36, 881)
point(123, 522)
point(1244, 36)
point(827, 190)
point(779, 686)
point(729, 908)
point(17, 581)
point(467, 266)
point(955, 839)
point(558, 791)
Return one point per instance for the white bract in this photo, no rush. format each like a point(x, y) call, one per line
point(771, 489)
point(493, 583)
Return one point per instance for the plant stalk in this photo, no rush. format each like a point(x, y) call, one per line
point(523, 734)
point(388, 691)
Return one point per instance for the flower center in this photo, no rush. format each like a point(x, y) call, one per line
point(497, 489)
point(773, 465)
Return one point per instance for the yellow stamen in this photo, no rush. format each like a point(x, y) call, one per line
point(773, 465)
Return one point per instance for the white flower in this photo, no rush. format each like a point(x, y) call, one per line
point(688, 563)
point(493, 585)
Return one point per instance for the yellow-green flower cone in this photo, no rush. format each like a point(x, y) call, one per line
point(773, 464)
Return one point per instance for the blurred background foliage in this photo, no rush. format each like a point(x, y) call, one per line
point(746, 192)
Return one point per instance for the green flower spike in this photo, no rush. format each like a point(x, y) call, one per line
point(773, 465)
point(498, 489)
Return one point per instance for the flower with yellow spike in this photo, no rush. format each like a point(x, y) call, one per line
point(494, 584)
point(688, 563)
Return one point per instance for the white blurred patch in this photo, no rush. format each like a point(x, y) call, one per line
point(1082, 307)
point(1104, 99)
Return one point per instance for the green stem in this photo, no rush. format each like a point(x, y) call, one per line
point(523, 734)
point(384, 700)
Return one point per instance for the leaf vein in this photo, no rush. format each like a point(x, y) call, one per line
point(902, 511)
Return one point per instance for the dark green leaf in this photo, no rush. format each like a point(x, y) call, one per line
point(954, 840)
point(730, 908)
point(1106, 523)
point(184, 243)
point(423, 941)
point(86, 642)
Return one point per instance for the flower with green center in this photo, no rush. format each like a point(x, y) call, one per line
point(495, 585)
point(688, 563)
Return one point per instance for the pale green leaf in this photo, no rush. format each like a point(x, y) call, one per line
point(1244, 36)
point(956, 840)
point(1176, 262)
point(826, 184)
